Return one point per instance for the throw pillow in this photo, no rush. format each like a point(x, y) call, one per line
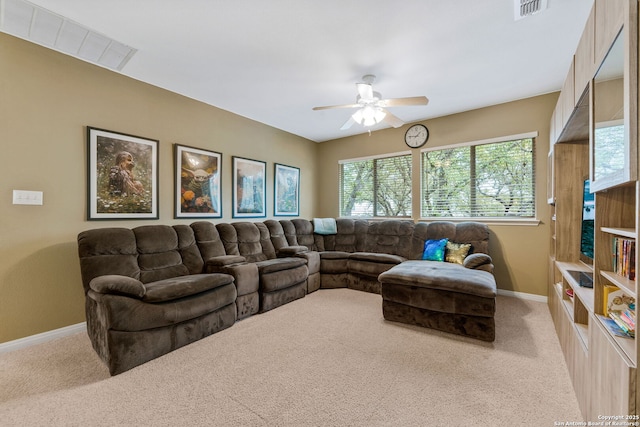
point(434, 250)
point(325, 226)
point(457, 252)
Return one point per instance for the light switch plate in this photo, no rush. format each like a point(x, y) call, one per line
point(25, 197)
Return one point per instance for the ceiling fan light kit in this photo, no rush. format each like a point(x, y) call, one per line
point(371, 106)
point(369, 115)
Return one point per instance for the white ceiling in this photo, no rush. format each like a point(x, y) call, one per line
point(273, 60)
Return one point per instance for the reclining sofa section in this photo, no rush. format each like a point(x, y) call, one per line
point(152, 289)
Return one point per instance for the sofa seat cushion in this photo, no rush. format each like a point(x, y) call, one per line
point(443, 276)
point(283, 279)
point(334, 262)
point(329, 255)
point(291, 250)
point(224, 260)
point(184, 286)
point(279, 264)
point(122, 313)
point(376, 257)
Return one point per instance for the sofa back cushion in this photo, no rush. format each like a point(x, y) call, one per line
point(350, 236)
point(158, 253)
point(188, 249)
point(106, 251)
point(229, 238)
point(302, 233)
point(392, 237)
point(249, 240)
point(475, 233)
point(208, 239)
point(278, 238)
point(268, 250)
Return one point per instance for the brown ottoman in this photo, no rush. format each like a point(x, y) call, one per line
point(440, 295)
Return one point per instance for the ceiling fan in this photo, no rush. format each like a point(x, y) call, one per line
point(372, 108)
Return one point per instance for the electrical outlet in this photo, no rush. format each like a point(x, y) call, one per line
point(25, 197)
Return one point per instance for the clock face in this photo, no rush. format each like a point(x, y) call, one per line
point(416, 136)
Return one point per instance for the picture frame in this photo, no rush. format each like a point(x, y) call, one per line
point(198, 176)
point(249, 188)
point(122, 176)
point(286, 190)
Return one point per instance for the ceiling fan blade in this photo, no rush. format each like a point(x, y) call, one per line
point(399, 102)
point(365, 91)
point(392, 120)
point(328, 107)
point(348, 124)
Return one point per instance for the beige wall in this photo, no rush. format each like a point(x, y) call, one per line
point(520, 251)
point(46, 101)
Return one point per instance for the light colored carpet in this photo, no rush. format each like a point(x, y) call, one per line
point(329, 359)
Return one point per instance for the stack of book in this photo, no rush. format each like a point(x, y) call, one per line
point(626, 320)
point(620, 312)
point(624, 257)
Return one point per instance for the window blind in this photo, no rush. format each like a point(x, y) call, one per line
point(485, 180)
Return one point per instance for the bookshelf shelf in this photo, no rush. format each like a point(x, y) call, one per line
point(622, 232)
point(628, 286)
point(626, 347)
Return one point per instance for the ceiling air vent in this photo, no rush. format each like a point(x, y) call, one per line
point(524, 8)
point(38, 25)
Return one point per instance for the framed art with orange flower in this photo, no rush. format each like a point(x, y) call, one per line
point(122, 173)
point(197, 183)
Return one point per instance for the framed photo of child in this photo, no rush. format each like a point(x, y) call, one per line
point(122, 174)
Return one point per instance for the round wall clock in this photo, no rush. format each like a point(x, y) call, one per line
point(416, 136)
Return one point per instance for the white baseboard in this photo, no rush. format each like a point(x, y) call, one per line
point(522, 295)
point(42, 338)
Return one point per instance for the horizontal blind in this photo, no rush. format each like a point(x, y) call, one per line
point(378, 186)
point(393, 186)
point(356, 188)
point(487, 180)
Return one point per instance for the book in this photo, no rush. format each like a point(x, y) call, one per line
point(607, 290)
point(613, 327)
point(615, 315)
point(624, 257)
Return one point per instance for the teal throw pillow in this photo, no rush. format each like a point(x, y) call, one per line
point(434, 250)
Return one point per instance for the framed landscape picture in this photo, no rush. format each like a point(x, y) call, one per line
point(249, 188)
point(286, 192)
point(122, 175)
point(197, 183)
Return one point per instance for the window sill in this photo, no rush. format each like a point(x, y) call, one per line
point(489, 221)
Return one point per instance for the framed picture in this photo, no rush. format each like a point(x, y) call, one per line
point(122, 173)
point(197, 183)
point(286, 192)
point(249, 188)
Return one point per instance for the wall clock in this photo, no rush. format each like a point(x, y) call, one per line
point(416, 136)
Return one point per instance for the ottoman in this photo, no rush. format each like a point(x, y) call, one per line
point(440, 295)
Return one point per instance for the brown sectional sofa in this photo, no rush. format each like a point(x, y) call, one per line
point(152, 289)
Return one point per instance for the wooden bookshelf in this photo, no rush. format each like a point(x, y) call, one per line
point(602, 366)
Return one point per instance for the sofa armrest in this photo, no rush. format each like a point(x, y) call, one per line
point(118, 285)
point(288, 251)
point(214, 264)
point(479, 261)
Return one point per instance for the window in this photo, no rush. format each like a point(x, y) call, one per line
point(376, 186)
point(485, 179)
